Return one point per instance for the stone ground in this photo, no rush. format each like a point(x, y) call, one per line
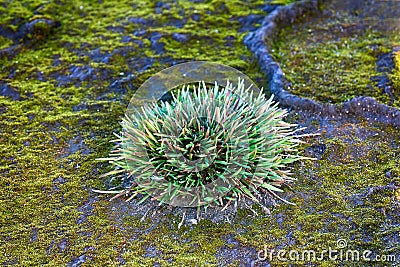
point(68, 71)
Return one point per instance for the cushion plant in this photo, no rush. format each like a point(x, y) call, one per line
point(207, 144)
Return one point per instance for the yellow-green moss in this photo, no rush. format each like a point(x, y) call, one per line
point(282, 2)
point(5, 42)
point(44, 138)
point(48, 215)
point(332, 201)
point(395, 77)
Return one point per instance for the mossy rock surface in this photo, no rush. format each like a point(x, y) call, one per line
point(67, 72)
point(346, 51)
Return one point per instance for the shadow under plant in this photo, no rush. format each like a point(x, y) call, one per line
point(67, 73)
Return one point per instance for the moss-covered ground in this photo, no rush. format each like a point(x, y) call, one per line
point(335, 56)
point(67, 72)
point(396, 73)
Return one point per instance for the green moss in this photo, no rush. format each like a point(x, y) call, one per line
point(283, 2)
point(395, 77)
point(333, 58)
point(49, 216)
point(5, 42)
point(332, 202)
point(45, 212)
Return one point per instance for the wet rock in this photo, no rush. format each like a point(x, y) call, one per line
point(229, 40)
point(180, 37)
point(86, 210)
point(82, 73)
point(6, 32)
point(178, 23)
point(123, 51)
point(57, 60)
point(28, 34)
point(157, 46)
point(129, 39)
point(10, 262)
point(121, 86)
point(316, 151)
point(78, 74)
point(63, 245)
point(36, 29)
point(269, 8)
point(77, 261)
point(195, 17)
point(126, 39)
point(139, 33)
point(141, 64)
point(97, 56)
point(152, 252)
point(3, 109)
point(249, 22)
point(57, 182)
point(117, 29)
point(76, 144)
point(142, 21)
point(8, 91)
point(161, 6)
point(279, 218)
point(31, 117)
point(40, 76)
point(85, 106)
point(34, 234)
point(9, 52)
point(230, 240)
point(385, 65)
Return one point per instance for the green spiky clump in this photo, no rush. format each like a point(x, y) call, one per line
point(206, 145)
